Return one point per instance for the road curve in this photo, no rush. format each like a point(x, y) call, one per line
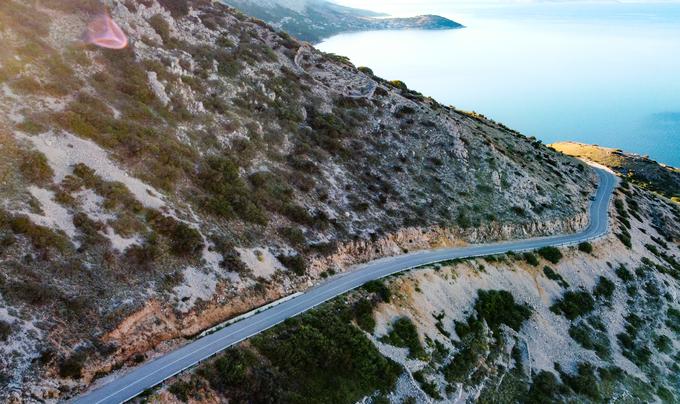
point(150, 374)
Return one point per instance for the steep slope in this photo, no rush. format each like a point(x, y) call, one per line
point(638, 169)
point(315, 20)
point(592, 323)
point(213, 165)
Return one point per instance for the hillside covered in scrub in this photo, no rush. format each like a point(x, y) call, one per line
point(213, 165)
point(315, 20)
point(598, 322)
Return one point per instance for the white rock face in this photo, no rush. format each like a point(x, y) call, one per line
point(260, 261)
point(64, 150)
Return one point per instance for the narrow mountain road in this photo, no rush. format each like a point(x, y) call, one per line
point(150, 374)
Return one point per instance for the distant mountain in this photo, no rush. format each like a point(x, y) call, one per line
point(314, 20)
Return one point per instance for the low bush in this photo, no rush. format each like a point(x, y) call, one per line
point(34, 168)
point(185, 241)
point(590, 339)
point(430, 388)
point(554, 276)
point(574, 304)
point(379, 288)
point(363, 315)
point(294, 235)
point(531, 259)
point(5, 330)
point(318, 356)
point(181, 390)
point(228, 194)
point(295, 263)
point(41, 237)
point(584, 382)
point(551, 254)
point(72, 366)
point(604, 288)
point(405, 335)
point(498, 307)
point(585, 247)
point(624, 274)
point(545, 388)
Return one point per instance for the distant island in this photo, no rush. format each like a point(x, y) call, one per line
point(315, 20)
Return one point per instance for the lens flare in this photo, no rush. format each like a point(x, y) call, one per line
point(104, 32)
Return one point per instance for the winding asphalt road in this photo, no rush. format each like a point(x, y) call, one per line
point(150, 374)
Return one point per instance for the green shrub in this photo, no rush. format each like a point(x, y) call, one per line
point(554, 276)
point(185, 241)
point(590, 339)
point(34, 168)
point(584, 381)
point(531, 259)
point(585, 247)
point(399, 84)
point(476, 346)
point(178, 8)
point(604, 288)
point(625, 239)
point(229, 369)
point(405, 335)
point(181, 390)
point(673, 320)
point(162, 28)
point(72, 366)
point(498, 307)
point(463, 220)
point(665, 395)
point(379, 288)
point(294, 235)
point(574, 304)
point(295, 263)
point(363, 315)
point(551, 254)
point(318, 356)
point(366, 70)
point(41, 237)
point(228, 194)
point(663, 344)
point(624, 274)
point(545, 388)
point(430, 388)
point(5, 330)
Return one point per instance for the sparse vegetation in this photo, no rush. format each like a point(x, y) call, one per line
point(295, 263)
point(316, 357)
point(405, 335)
point(574, 304)
point(531, 259)
point(379, 288)
point(5, 330)
point(585, 247)
point(604, 288)
point(552, 275)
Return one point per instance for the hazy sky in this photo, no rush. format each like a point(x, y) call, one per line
point(395, 4)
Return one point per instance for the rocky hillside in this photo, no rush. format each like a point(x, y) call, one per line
point(213, 165)
point(589, 324)
point(638, 169)
point(315, 20)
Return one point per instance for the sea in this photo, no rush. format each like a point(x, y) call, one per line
point(599, 73)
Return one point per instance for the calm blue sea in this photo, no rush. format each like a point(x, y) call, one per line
point(606, 74)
